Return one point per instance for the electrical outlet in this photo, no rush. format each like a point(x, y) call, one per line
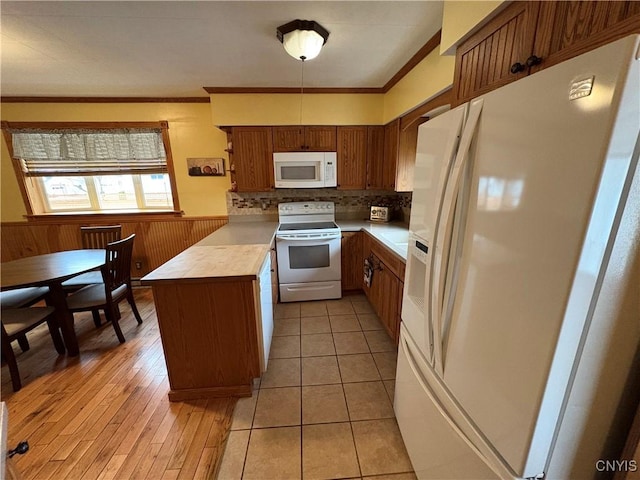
point(139, 265)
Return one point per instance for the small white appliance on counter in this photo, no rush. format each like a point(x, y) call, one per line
point(519, 330)
point(305, 169)
point(308, 248)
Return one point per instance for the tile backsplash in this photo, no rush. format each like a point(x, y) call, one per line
point(350, 204)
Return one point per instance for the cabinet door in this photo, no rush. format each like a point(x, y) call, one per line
point(352, 261)
point(398, 310)
point(320, 139)
point(567, 29)
point(407, 157)
point(391, 148)
point(484, 61)
point(288, 139)
point(375, 157)
point(352, 158)
point(253, 158)
point(385, 286)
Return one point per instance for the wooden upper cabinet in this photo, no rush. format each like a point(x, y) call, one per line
point(496, 54)
point(391, 150)
point(304, 139)
point(527, 37)
point(383, 144)
point(320, 139)
point(288, 139)
point(252, 158)
point(352, 158)
point(375, 157)
point(568, 29)
point(407, 147)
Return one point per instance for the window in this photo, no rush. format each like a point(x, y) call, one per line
point(89, 168)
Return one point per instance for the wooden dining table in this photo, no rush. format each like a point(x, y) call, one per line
point(51, 270)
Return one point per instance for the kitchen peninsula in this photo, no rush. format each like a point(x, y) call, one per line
point(208, 304)
point(214, 322)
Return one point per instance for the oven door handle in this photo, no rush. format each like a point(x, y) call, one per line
point(309, 237)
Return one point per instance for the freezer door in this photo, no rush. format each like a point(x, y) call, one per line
point(438, 447)
point(435, 151)
point(546, 184)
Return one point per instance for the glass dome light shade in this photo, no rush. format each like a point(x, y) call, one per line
point(303, 44)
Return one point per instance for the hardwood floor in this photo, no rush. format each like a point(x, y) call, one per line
point(105, 414)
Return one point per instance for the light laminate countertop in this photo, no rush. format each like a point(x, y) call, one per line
point(211, 262)
point(238, 250)
point(241, 233)
point(393, 235)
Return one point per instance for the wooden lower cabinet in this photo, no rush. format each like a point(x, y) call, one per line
point(210, 336)
point(385, 292)
point(352, 261)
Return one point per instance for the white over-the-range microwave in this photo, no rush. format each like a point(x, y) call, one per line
point(305, 169)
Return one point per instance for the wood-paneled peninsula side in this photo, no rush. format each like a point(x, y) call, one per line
point(211, 321)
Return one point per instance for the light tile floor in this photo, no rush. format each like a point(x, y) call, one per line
point(324, 407)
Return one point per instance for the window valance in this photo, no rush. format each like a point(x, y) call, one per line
point(82, 152)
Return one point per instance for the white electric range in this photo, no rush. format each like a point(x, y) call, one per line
point(308, 247)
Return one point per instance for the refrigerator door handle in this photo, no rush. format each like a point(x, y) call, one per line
point(445, 226)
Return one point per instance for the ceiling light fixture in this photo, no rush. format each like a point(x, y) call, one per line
point(302, 39)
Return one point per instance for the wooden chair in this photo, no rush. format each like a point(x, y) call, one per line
point(16, 322)
point(116, 286)
point(93, 237)
point(20, 298)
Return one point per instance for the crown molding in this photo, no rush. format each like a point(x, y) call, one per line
point(291, 90)
point(105, 99)
point(420, 55)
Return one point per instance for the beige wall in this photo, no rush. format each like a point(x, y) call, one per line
point(460, 17)
point(428, 78)
point(190, 130)
point(284, 109)
point(432, 75)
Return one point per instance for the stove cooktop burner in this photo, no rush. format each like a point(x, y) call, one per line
point(307, 226)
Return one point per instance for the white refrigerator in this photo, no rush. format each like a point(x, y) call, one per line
point(521, 310)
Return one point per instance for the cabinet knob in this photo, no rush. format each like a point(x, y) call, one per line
point(517, 67)
point(533, 60)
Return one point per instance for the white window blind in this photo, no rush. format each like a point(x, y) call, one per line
point(92, 152)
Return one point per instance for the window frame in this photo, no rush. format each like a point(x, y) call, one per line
point(23, 179)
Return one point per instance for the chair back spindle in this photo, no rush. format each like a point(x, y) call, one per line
point(117, 269)
point(99, 237)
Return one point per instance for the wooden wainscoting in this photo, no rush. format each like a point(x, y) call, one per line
point(156, 240)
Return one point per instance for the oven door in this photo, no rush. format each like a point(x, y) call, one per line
point(308, 258)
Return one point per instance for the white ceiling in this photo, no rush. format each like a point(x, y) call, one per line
point(174, 48)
